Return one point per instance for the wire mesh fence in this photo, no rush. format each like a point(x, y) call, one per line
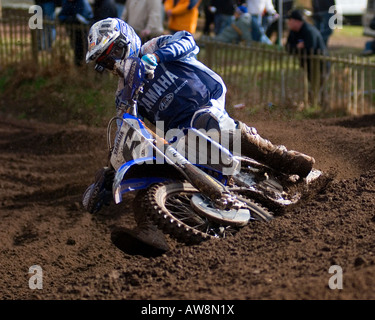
point(257, 75)
point(269, 75)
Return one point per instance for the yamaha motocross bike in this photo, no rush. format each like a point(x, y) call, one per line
point(211, 193)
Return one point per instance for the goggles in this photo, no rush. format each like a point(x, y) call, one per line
point(116, 51)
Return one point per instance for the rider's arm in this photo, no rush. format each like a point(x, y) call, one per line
point(171, 48)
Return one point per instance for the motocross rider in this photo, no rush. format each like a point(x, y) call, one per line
point(198, 102)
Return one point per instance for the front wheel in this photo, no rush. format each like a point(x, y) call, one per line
point(173, 208)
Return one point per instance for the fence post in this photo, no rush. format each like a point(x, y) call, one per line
point(306, 84)
point(350, 84)
point(362, 88)
point(370, 90)
point(315, 77)
point(209, 53)
point(355, 86)
point(34, 44)
point(332, 101)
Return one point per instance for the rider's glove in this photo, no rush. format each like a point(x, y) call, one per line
point(150, 63)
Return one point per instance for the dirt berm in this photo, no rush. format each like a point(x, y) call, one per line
point(45, 169)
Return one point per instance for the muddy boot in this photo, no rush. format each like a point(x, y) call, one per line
point(145, 239)
point(277, 157)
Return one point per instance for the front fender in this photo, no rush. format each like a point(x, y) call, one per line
point(139, 174)
point(118, 186)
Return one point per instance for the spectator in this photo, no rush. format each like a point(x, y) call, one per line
point(369, 48)
point(209, 17)
point(120, 7)
point(47, 35)
point(239, 29)
point(257, 9)
point(77, 14)
point(304, 39)
point(223, 11)
point(370, 45)
point(145, 16)
point(182, 15)
point(104, 9)
point(273, 27)
point(269, 15)
point(321, 17)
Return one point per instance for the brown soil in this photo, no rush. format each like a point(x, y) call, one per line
point(45, 168)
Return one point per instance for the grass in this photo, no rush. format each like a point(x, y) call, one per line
point(81, 96)
point(350, 31)
point(69, 95)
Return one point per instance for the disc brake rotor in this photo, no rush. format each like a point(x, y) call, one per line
point(233, 217)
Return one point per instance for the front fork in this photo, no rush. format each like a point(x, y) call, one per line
point(206, 184)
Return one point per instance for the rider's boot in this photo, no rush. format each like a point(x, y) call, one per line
point(100, 192)
point(145, 239)
point(277, 157)
point(148, 232)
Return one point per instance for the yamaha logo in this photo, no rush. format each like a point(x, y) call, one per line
point(166, 101)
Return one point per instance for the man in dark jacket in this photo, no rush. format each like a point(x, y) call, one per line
point(322, 15)
point(76, 14)
point(304, 39)
point(104, 9)
point(47, 35)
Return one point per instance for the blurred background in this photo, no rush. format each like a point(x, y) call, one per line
point(49, 81)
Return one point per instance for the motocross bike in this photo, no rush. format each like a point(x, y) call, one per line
point(190, 199)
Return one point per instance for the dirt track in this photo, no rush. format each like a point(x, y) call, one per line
point(45, 168)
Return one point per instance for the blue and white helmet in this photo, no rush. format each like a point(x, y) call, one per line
point(112, 39)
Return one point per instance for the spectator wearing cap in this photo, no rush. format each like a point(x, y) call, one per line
point(239, 29)
point(304, 36)
point(306, 40)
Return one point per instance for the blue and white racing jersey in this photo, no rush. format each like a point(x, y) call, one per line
point(181, 84)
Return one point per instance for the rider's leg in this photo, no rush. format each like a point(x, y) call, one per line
point(252, 144)
point(277, 157)
point(147, 232)
point(146, 237)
